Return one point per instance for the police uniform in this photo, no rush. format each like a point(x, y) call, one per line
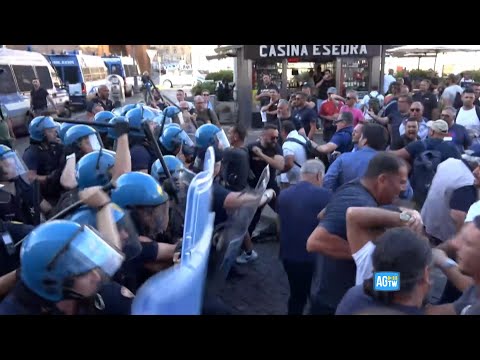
point(20, 207)
point(10, 234)
point(142, 156)
point(46, 160)
point(112, 299)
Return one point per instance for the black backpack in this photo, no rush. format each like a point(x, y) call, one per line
point(423, 171)
point(311, 152)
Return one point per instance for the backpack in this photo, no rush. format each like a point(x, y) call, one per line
point(68, 198)
point(374, 103)
point(424, 169)
point(310, 151)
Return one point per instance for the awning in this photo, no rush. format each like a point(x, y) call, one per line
point(429, 50)
point(224, 52)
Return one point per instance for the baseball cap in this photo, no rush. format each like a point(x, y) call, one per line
point(438, 126)
point(332, 90)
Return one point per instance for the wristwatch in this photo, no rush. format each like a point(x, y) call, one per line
point(405, 217)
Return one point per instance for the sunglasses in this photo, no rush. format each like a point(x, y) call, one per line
point(274, 138)
point(444, 115)
point(206, 94)
point(349, 98)
point(417, 110)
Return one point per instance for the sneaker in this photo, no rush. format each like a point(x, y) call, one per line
point(245, 258)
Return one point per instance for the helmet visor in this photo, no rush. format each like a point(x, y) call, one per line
point(186, 140)
point(130, 243)
point(86, 251)
point(11, 166)
point(94, 142)
point(222, 139)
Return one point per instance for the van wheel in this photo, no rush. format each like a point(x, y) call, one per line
point(168, 84)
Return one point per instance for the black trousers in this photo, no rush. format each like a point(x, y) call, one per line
point(300, 276)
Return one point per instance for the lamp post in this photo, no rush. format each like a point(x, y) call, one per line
point(135, 78)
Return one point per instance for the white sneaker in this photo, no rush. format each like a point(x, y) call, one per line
point(245, 258)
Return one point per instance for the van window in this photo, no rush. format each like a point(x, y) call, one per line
point(7, 83)
point(24, 75)
point(54, 75)
point(133, 70)
point(44, 77)
point(127, 70)
point(70, 74)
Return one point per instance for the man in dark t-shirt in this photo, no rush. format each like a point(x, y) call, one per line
point(304, 116)
point(263, 92)
point(330, 237)
point(236, 160)
point(39, 97)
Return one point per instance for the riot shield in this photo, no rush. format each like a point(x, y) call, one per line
point(179, 290)
point(229, 239)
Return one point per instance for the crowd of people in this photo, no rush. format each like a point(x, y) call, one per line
point(89, 212)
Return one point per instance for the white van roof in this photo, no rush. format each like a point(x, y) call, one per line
point(21, 57)
point(91, 61)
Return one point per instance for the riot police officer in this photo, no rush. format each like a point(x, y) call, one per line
point(19, 195)
point(63, 265)
point(141, 151)
point(148, 206)
point(103, 117)
point(45, 158)
point(205, 136)
point(175, 139)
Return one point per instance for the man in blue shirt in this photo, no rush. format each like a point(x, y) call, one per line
point(341, 141)
point(304, 117)
point(457, 132)
point(352, 165)
point(298, 207)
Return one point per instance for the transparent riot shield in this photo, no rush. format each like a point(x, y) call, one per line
point(179, 290)
point(229, 239)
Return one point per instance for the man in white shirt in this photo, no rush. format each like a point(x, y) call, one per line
point(181, 97)
point(467, 116)
point(294, 153)
point(366, 224)
point(388, 79)
point(450, 93)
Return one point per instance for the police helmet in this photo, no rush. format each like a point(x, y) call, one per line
point(206, 135)
point(78, 132)
point(103, 117)
point(173, 164)
point(11, 166)
point(131, 246)
point(63, 130)
point(171, 111)
point(127, 108)
point(138, 189)
point(173, 137)
point(111, 131)
point(38, 125)
point(94, 169)
point(136, 117)
point(57, 252)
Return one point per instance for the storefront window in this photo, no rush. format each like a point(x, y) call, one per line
point(355, 76)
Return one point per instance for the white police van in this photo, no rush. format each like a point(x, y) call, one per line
point(82, 74)
point(18, 68)
point(125, 67)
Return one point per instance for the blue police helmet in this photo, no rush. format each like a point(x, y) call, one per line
point(173, 164)
point(103, 117)
point(117, 111)
point(54, 253)
point(75, 133)
point(38, 125)
point(138, 189)
point(94, 169)
point(136, 117)
point(111, 131)
point(173, 137)
point(131, 245)
point(205, 135)
point(127, 108)
point(4, 149)
point(63, 130)
point(171, 111)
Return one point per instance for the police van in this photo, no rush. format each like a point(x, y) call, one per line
point(125, 67)
point(82, 74)
point(17, 70)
